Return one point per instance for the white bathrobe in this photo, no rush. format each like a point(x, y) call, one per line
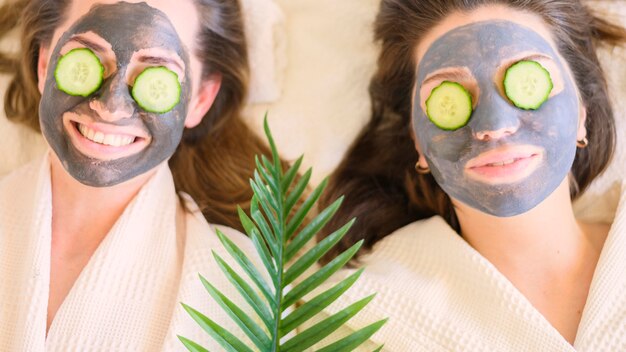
point(442, 295)
point(127, 296)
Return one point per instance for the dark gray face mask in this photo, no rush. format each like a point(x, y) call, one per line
point(482, 47)
point(128, 28)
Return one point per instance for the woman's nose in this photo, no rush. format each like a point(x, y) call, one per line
point(115, 102)
point(494, 118)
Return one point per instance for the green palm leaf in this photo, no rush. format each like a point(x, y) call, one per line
point(317, 332)
point(192, 346)
point(227, 340)
point(280, 231)
point(349, 343)
point(247, 292)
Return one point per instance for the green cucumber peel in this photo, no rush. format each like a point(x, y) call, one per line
point(527, 84)
point(157, 89)
point(79, 72)
point(449, 106)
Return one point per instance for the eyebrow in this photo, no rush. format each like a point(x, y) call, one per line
point(446, 75)
point(88, 43)
point(528, 57)
point(158, 60)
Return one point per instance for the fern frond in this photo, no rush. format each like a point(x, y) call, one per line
point(280, 228)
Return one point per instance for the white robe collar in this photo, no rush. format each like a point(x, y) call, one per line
point(441, 294)
point(125, 296)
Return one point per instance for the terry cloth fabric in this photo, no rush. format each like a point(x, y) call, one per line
point(127, 296)
point(442, 295)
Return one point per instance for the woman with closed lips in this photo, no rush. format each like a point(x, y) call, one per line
point(473, 243)
point(489, 167)
point(505, 160)
point(100, 239)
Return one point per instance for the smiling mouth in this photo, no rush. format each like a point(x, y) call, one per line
point(104, 141)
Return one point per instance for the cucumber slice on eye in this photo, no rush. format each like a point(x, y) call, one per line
point(79, 72)
point(157, 89)
point(527, 84)
point(449, 106)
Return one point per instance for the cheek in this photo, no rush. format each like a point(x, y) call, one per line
point(164, 124)
point(54, 103)
point(172, 121)
point(438, 144)
point(557, 121)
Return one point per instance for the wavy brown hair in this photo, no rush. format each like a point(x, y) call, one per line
point(378, 175)
point(215, 159)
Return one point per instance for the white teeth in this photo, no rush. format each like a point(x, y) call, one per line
point(110, 139)
point(114, 140)
point(99, 137)
point(502, 163)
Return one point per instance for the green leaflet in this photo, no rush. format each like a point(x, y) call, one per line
point(227, 340)
point(317, 304)
point(280, 228)
point(319, 331)
point(192, 346)
point(349, 343)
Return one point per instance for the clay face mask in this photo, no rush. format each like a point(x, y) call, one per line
point(130, 37)
point(505, 160)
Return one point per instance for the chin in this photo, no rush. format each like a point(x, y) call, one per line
point(98, 178)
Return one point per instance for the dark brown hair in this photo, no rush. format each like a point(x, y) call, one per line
point(378, 175)
point(215, 159)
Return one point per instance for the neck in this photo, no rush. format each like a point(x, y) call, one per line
point(83, 215)
point(545, 253)
point(548, 236)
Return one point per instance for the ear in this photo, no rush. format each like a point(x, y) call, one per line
point(421, 158)
point(203, 101)
point(42, 68)
point(582, 118)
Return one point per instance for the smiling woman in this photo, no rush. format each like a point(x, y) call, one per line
point(100, 239)
point(489, 118)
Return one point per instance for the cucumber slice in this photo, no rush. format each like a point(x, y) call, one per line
point(79, 72)
point(449, 106)
point(157, 89)
point(527, 84)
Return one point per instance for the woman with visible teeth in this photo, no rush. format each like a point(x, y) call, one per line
point(473, 243)
point(100, 240)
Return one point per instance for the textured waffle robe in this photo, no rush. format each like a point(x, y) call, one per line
point(127, 296)
point(442, 295)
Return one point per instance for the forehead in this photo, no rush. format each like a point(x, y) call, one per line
point(182, 15)
point(123, 24)
point(483, 43)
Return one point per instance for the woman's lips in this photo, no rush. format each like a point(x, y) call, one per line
point(508, 164)
point(104, 141)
